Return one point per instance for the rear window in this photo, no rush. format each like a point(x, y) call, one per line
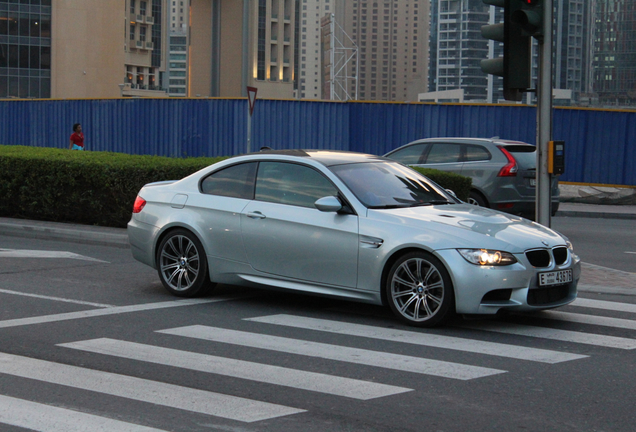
point(526, 156)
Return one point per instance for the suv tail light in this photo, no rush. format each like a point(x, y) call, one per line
point(511, 168)
point(139, 204)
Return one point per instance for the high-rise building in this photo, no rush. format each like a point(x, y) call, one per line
point(392, 40)
point(144, 59)
point(25, 49)
point(457, 48)
point(81, 48)
point(232, 48)
point(177, 63)
point(310, 50)
point(614, 52)
point(571, 46)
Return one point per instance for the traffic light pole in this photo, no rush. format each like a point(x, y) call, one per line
point(544, 119)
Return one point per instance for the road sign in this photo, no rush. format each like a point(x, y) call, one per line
point(251, 97)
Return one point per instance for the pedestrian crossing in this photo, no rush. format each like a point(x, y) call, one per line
point(485, 362)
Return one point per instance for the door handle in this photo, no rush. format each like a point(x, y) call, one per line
point(256, 215)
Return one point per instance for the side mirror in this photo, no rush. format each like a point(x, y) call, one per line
point(328, 204)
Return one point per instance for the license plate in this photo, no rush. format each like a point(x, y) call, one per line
point(555, 278)
point(533, 182)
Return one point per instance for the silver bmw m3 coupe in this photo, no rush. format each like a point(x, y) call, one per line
point(347, 225)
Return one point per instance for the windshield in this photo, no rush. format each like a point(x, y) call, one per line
point(390, 185)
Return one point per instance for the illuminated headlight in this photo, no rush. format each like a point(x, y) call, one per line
point(486, 257)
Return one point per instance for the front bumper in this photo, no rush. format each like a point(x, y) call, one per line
point(489, 289)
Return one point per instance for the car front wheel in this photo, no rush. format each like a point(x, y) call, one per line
point(182, 264)
point(419, 290)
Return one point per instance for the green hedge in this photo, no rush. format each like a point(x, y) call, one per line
point(95, 188)
point(457, 183)
point(99, 188)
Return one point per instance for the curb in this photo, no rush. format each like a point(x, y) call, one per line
point(85, 234)
point(595, 215)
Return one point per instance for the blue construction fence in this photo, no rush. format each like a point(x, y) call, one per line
point(600, 144)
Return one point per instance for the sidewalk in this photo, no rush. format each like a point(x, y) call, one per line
point(87, 234)
point(574, 209)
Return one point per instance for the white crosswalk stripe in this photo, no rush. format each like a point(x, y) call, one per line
point(336, 352)
point(605, 305)
point(425, 339)
point(168, 395)
point(589, 319)
point(44, 418)
point(555, 334)
point(40, 417)
point(317, 382)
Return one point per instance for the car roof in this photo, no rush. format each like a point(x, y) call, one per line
point(324, 157)
point(465, 140)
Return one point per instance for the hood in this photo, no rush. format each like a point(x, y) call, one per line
point(467, 225)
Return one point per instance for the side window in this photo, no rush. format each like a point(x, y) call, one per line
point(292, 184)
point(477, 153)
point(236, 181)
point(444, 153)
point(410, 155)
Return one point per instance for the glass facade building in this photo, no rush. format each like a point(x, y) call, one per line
point(177, 65)
point(614, 61)
point(25, 48)
point(457, 47)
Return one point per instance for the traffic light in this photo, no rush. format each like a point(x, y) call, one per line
point(523, 19)
point(528, 15)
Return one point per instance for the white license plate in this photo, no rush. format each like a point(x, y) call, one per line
point(533, 182)
point(555, 278)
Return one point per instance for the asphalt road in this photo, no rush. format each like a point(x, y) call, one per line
point(606, 242)
point(91, 339)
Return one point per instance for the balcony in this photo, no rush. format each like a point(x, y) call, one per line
point(149, 45)
point(150, 19)
point(139, 44)
point(141, 90)
point(140, 18)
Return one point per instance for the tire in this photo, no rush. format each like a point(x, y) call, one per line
point(182, 264)
point(419, 290)
point(475, 198)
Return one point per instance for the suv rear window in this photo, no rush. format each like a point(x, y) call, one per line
point(525, 155)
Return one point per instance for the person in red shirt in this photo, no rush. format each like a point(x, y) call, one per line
point(77, 138)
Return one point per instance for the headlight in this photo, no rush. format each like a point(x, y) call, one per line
point(486, 257)
point(575, 257)
point(567, 241)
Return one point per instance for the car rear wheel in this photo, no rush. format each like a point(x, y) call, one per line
point(419, 290)
point(475, 198)
point(182, 264)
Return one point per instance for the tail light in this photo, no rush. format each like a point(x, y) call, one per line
point(139, 204)
point(511, 168)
